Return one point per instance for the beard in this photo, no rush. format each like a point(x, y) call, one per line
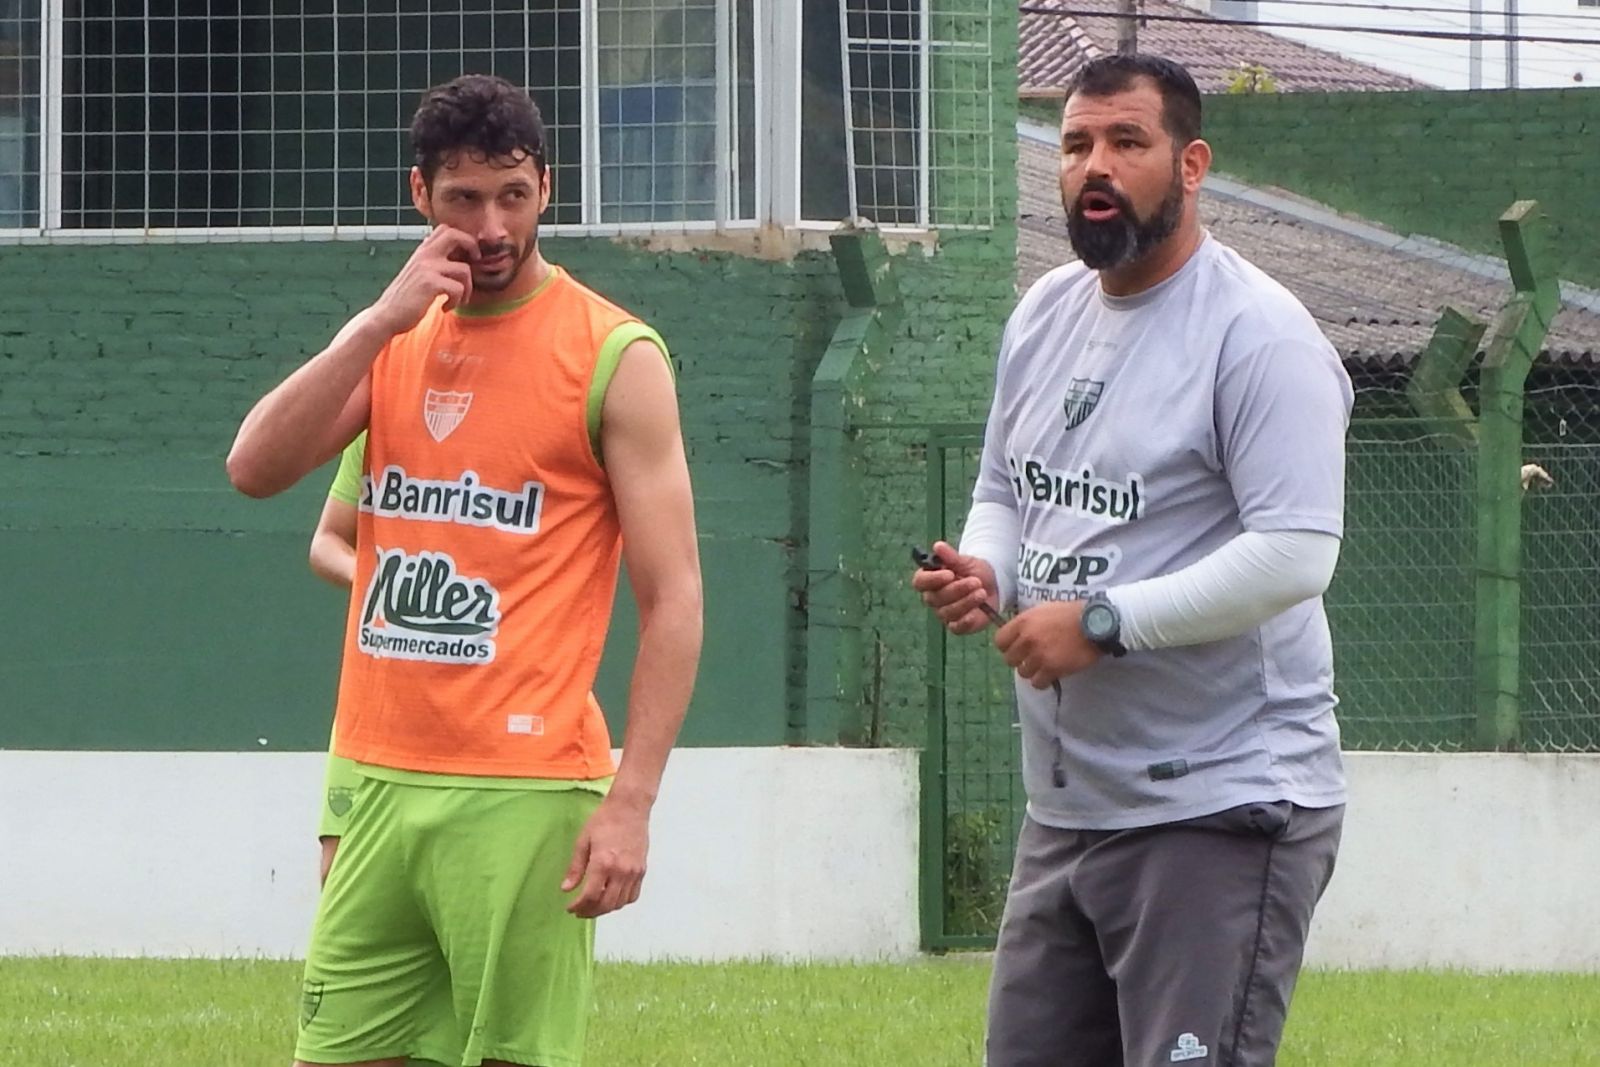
point(1104, 244)
point(494, 283)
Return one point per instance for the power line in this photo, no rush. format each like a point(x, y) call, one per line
point(1496, 13)
point(1207, 20)
point(1455, 71)
point(1547, 67)
point(1433, 18)
point(1433, 14)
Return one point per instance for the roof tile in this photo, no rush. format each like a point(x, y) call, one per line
point(1051, 48)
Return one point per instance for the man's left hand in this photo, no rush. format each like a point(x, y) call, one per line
point(1045, 643)
point(609, 858)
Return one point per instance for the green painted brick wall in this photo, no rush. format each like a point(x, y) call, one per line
point(1444, 164)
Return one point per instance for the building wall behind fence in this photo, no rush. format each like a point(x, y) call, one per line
point(1443, 164)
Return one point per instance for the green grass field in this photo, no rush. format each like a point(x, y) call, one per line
point(59, 1012)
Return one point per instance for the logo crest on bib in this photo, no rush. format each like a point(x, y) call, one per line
point(443, 412)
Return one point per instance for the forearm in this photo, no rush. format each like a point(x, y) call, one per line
point(1231, 591)
point(663, 680)
point(294, 428)
point(333, 560)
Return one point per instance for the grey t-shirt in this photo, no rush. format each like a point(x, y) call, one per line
point(1134, 436)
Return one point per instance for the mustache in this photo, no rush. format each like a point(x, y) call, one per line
point(490, 251)
point(1103, 188)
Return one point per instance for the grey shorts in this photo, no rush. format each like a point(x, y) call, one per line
point(1167, 944)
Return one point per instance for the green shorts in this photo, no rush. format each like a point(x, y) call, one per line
point(339, 784)
point(443, 934)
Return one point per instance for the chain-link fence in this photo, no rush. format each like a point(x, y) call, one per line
point(1402, 599)
point(1403, 603)
point(1561, 566)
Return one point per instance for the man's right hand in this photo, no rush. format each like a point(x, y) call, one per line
point(957, 589)
point(442, 264)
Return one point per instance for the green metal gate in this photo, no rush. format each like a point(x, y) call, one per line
point(971, 779)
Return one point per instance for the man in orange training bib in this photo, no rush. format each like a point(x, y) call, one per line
point(522, 438)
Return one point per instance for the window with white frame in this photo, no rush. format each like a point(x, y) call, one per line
point(132, 117)
point(19, 111)
point(865, 64)
point(665, 75)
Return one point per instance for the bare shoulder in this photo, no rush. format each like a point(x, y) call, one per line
point(642, 387)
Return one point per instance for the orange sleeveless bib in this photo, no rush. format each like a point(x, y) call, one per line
point(488, 548)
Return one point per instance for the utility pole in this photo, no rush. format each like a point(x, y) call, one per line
point(1127, 28)
point(1475, 46)
point(1511, 44)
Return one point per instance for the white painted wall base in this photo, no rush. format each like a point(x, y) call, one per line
point(1480, 861)
point(790, 853)
point(756, 852)
point(1476, 861)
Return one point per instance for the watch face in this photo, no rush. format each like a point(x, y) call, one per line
point(1099, 621)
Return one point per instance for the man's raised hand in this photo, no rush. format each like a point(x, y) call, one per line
point(442, 264)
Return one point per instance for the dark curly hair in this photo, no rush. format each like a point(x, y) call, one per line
point(488, 117)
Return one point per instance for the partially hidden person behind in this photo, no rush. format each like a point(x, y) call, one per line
point(333, 558)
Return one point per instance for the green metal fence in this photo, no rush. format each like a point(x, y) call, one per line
point(1560, 625)
point(1402, 599)
point(972, 777)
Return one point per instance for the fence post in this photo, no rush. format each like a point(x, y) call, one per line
point(1514, 341)
point(931, 895)
point(1434, 388)
point(832, 712)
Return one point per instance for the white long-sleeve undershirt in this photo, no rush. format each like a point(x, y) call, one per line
point(1245, 582)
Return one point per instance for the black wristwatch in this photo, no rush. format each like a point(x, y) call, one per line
point(1102, 625)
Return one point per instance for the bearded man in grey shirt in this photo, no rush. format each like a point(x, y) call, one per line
point(1161, 499)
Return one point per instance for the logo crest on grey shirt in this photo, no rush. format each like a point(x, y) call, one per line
point(1082, 395)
